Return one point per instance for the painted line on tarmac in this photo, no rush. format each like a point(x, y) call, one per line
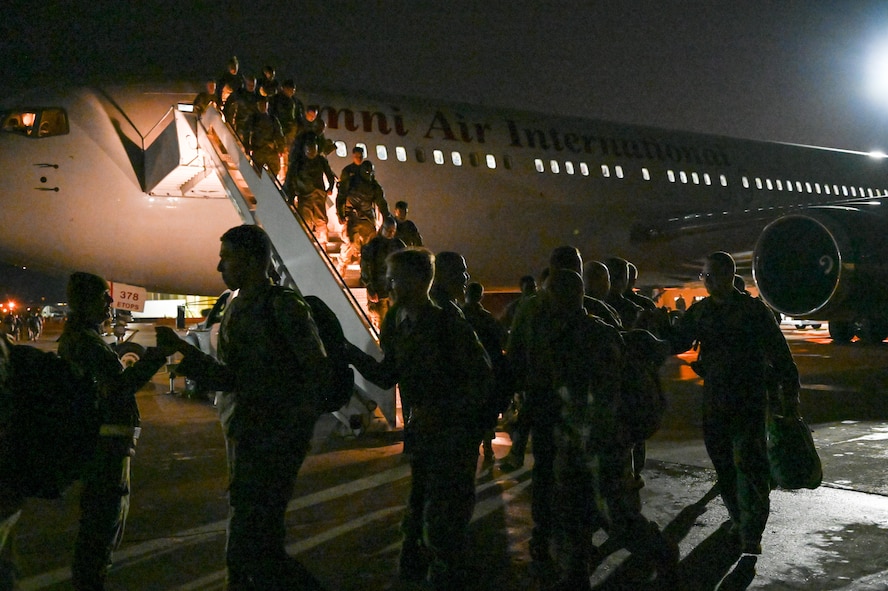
point(153, 548)
point(482, 509)
point(178, 540)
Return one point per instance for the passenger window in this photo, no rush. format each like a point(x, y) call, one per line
point(401, 154)
point(420, 155)
point(507, 162)
point(683, 176)
point(584, 169)
point(491, 161)
point(382, 152)
point(745, 183)
point(695, 178)
point(341, 149)
point(605, 171)
point(456, 158)
point(538, 165)
point(670, 174)
point(569, 167)
point(438, 155)
point(769, 184)
point(619, 171)
point(723, 180)
point(474, 161)
point(646, 174)
point(553, 166)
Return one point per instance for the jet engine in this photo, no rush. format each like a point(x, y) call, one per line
point(828, 263)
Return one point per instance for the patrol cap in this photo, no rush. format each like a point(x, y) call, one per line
point(83, 287)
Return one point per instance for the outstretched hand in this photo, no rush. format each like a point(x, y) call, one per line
point(168, 342)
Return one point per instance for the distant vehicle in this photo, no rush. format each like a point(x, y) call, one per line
point(52, 312)
point(801, 323)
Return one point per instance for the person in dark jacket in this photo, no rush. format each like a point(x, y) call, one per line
point(493, 336)
point(373, 269)
point(443, 373)
point(270, 367)
point(309, 181)
point(407, 230)
point(357, 207)
point(264, 138)
point(739, 343)
point(104, 500)
point(593, 463)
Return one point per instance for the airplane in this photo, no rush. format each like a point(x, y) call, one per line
point(91, 182)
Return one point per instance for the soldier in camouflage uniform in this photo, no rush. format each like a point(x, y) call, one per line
point(271, 363)
point(592, 465)
point(104, 500)
point(289, 111)
point(443, 373)
point(264, 138)
point(739, 342)
point(357, 207)
point(245, 100)
point(306, 183)
point(528, 355)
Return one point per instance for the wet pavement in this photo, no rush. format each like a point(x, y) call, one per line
point(343, 520)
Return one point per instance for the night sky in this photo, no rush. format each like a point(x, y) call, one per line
point(793, 71)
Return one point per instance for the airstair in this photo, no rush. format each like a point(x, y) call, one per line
point(208, 145)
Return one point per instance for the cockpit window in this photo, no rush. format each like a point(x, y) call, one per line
point(36, 123)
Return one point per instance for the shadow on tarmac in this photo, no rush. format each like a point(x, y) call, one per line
point(712, 565)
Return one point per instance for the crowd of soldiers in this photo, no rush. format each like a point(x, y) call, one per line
point(566, 352)
point(283, 136)
point(559, 355)
point(26, 327)
point(457, 370)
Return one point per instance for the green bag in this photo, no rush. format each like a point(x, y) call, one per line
point(792, 455)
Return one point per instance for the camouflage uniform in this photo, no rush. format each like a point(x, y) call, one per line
point(593, 467)
point(104, 501)
point(358, 207)
point(270, 356)
point(244, 107)
point(442, 372)
point(373, 267)
point(264, 140)
point(739, 343)
point(530, 362)
point(305, 182)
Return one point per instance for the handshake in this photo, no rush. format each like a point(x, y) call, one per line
point(168, 342)
point(195, 363)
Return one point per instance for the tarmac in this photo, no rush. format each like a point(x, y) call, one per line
point(343, 520)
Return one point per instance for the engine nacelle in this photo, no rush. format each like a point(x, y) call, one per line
point(829, 263)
